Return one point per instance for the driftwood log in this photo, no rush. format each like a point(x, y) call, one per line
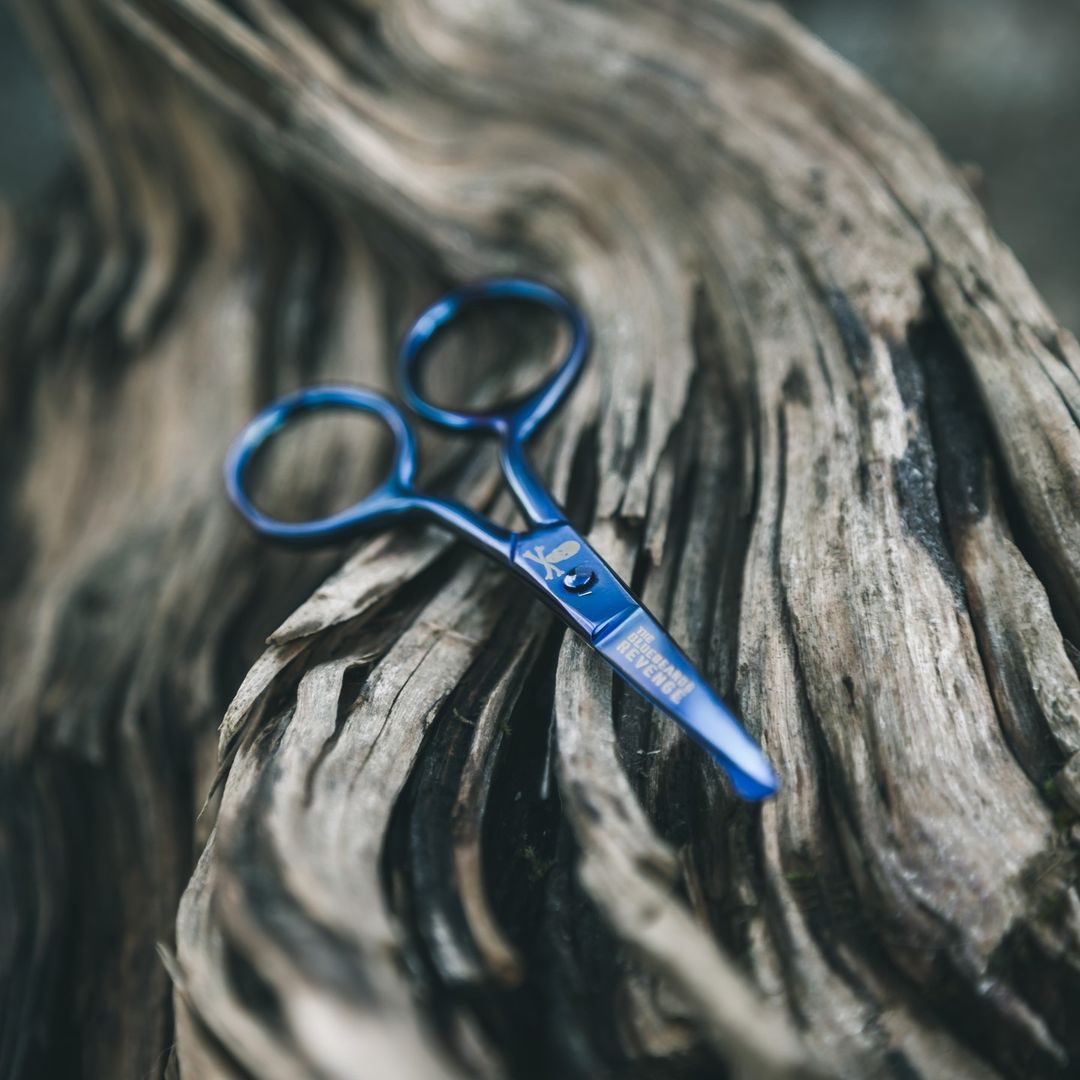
point(829, 432)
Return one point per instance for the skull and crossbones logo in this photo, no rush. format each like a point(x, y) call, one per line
point(550, 563)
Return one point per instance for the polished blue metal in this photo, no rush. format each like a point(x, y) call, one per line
point(394, 497)
point(514, 424)
point(551, 555)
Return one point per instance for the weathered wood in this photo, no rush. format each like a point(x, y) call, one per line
point(828, 431)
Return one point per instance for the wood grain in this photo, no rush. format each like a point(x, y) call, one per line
point(828, 431)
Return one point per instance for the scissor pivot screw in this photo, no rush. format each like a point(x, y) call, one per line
point(578, 579)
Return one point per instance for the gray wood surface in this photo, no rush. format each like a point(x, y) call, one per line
point(829, 431)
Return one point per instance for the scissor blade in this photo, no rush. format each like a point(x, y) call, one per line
point(643, 654)
point(588, 594)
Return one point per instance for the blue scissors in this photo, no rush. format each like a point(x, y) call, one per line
point(550, 554)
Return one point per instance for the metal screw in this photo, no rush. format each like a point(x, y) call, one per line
point(578, 579)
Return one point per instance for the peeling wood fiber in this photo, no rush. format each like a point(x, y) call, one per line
point(828, 431)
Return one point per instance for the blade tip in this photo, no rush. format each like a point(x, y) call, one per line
point(752, 788)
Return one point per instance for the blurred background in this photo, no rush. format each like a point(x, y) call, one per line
point(996, 81)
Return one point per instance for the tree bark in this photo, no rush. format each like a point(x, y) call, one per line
point(828, 430)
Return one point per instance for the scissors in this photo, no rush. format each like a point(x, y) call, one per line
point(550, 555)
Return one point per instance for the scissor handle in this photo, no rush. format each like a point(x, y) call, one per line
point(394, 496)
point(518, 420)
